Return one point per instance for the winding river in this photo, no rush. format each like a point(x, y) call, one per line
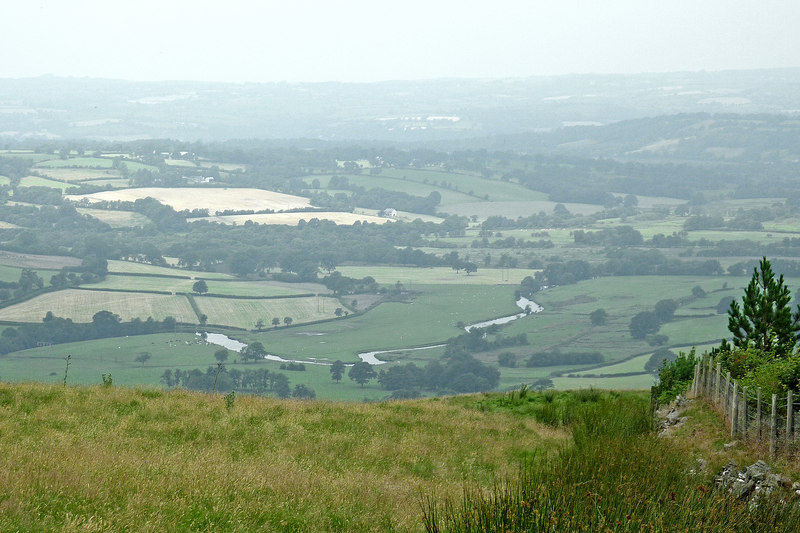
point(527, 306)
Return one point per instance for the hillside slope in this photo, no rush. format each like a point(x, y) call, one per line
point(120, 459)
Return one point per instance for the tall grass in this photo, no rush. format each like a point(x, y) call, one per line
point(616, 477)
point(121, 459)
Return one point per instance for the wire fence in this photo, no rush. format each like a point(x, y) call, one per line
point(769, 420)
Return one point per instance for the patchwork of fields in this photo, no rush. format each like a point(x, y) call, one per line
point(427, 305)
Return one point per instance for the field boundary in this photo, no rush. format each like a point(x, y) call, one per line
point(143, 291)
point(246, 297)
point(147, 275)
point(27, 296)
point(194, 306)
point(773, 422)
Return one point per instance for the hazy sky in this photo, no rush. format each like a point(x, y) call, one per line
point(370, 40)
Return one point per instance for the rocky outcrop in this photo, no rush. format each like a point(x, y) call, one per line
point(753, 481)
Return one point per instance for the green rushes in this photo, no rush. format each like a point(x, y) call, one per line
point(617, 476)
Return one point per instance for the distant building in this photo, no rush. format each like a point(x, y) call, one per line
point(388, 213)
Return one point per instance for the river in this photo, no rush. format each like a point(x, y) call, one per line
point(370, 357)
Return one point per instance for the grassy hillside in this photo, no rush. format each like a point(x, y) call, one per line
point(92, 459)
point(123, 459)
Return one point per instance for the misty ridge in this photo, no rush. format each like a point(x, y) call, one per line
point(450, 113)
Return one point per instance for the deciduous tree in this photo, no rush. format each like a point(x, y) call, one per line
point(362, 372)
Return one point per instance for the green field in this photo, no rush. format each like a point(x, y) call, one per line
point(10, 274)
point(428, 317)
point(185, 351)
point(90, 359)
point(89, 162)
point(133, 166)
point(26, 154)
point(564, 324)
point(514, 209)
point(635, 364)
point(412, 276)
point(79, 174)
point(408, 187)
point(472, 183)
point(638, 382)
point(34, 181)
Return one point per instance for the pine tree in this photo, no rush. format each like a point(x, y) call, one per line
point(765, 320)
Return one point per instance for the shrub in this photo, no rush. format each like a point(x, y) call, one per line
point(675, 376)
point(507, 359)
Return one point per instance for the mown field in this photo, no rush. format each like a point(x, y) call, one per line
point(132, 267)
point(228, 288)
point(116, 219)
point(203, 198)
point(81, 305)
point(241, 313)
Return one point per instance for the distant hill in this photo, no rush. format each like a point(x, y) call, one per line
point(397, 111)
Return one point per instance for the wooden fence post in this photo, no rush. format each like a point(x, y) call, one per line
point(710, 377)
point(758, 411)
point(734, 407)
point(745, 422)
point(696, 380)
point(726, 398)
point(718, 389)
point(789, 419)
point(773, 425)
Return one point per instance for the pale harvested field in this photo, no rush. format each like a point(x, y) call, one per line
point(80, 306)
point(222, 166)
point(116, 219)
point(228, 288)
point(291, 219)
point(179, 163)
point(203, 198)
point(405, 216)
point(78, 174)
point(245, 313)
